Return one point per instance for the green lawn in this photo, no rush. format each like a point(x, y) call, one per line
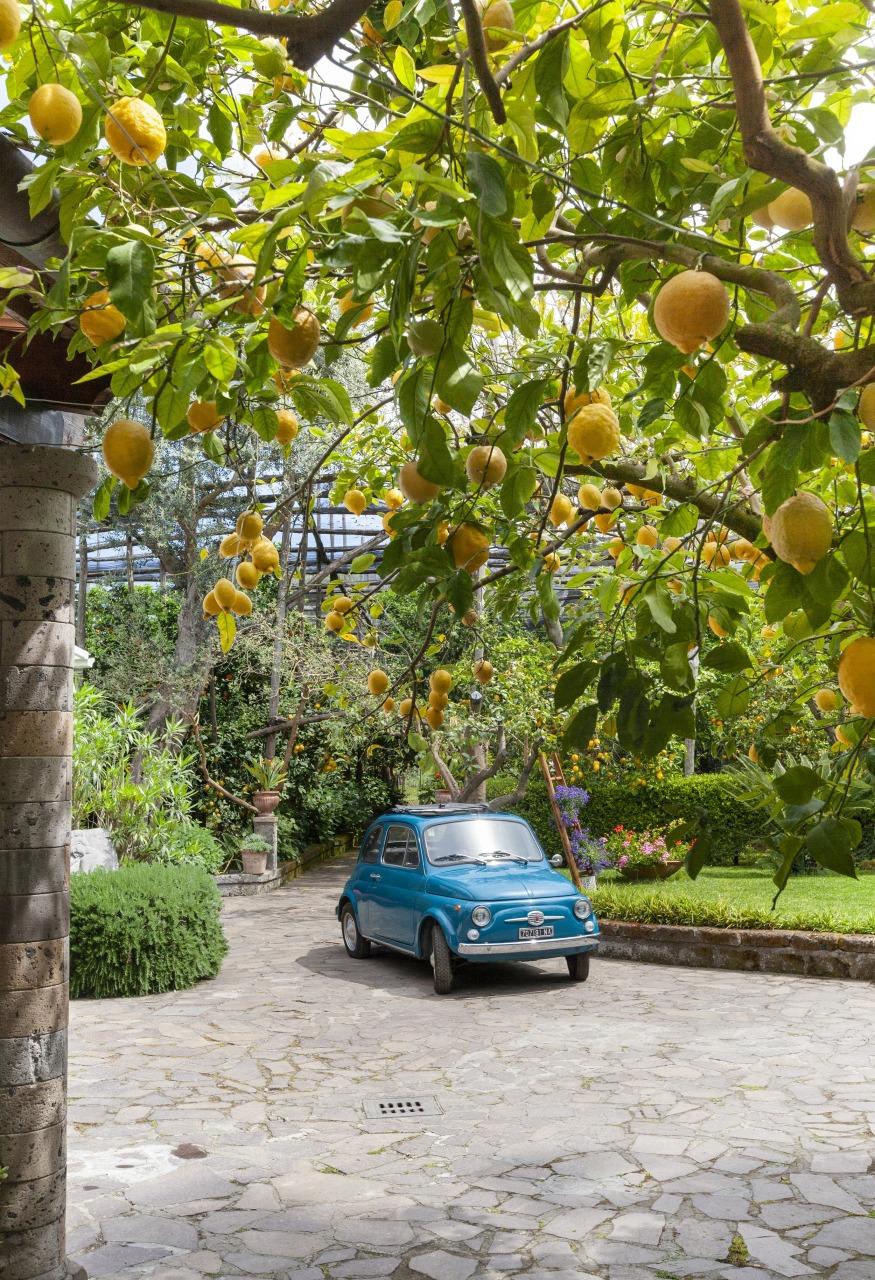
point(741, 897)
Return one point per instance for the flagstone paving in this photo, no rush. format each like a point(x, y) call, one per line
point(653, 1123)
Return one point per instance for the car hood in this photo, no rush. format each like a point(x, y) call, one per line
point(499, 883)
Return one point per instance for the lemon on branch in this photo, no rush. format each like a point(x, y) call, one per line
point(135, 131)
point(99, 320)
point(55, 113)
point(800, 531)
point(691, 308)
point(857, 675)
point(128, 451)
point(594, 432)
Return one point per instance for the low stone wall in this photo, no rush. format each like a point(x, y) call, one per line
point(820, 955)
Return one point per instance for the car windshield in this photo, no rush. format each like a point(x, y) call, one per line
point(491, 841)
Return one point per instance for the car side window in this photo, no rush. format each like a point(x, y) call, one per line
point(371, 848)
point(411, 854)
point(395, 849)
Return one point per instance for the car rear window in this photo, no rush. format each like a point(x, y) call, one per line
point(371, 846)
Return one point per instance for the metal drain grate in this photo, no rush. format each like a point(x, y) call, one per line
point(390, 1108)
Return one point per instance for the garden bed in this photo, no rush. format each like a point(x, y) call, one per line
point(816, 955)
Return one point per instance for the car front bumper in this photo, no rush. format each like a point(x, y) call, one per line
point(522, 950)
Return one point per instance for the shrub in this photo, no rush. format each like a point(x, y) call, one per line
point(187, 843)
point(654, 806)
point(143, 929)
point(614, 901)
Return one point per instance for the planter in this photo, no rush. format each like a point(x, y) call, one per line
point(254, 863)
point(266, 801)
point(653, 871)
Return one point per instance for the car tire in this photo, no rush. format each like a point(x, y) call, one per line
point(441, 961)
point(578, 966)
point(356, 946)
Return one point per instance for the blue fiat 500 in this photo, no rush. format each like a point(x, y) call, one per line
point(454, 883)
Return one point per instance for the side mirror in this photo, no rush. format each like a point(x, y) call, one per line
point(557, 860)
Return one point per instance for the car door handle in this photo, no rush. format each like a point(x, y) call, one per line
point(376, 876)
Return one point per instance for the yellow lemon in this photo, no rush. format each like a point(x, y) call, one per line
point(128, 451)
point(690, 308)
point(135, 131)
point(55, 113)
point(99, 320)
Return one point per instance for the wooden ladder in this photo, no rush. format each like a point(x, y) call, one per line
point(553, 776)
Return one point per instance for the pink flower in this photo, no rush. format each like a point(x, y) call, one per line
point(623, 861)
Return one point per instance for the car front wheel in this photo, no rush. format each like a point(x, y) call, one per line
point(356, 946)
point(578, 967)
point(441, 959)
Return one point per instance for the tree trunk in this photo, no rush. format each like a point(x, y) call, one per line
point(39, 486)
point(690, 743)
point(192, 661)
point(276, 668)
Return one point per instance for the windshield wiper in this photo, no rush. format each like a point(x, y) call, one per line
point(458, 857)
point(516, 857)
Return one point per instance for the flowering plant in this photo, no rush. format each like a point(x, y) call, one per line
point(588, 851)
point(625, 848)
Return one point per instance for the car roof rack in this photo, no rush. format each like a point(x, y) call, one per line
point(428, 810)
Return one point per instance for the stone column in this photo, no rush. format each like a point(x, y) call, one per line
point(39, 486)
point(264, 825)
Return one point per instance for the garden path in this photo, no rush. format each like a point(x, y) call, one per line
point(653, 1123)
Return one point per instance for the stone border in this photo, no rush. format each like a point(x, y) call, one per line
point(817, 955)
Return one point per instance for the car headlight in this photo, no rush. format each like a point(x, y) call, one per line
point(582, 908)
point(481, 916)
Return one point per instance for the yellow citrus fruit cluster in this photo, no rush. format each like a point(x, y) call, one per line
point(440, 683)
point(258, 557)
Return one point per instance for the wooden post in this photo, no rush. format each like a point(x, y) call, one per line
point(557, 818)
point(39, 486)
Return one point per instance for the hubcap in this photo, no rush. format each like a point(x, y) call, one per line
point(350, 932)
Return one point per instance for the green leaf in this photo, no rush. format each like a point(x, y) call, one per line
point(573, 682)
point(680, 522)
point(733, 698)
point(829, 843)
point(727, 656)
point(219, 128)
point(322, 398)
point(789, 847)
point(362, 562)
point(866, 466)
point(797, 784)
point(784, 592)
point(456, 380)
point(855, 549)
point(436, 462)
point(220, 357)
point(652, 410)
point(264, 424)
point(487, 182)
point(844, 435)
point(521, 411)
point(550, 69)
point(404, 68)
point(580, 728)
point(227, 630)
point(100, 505)
point(658, 600)
point(130, 268)
point(519, 486)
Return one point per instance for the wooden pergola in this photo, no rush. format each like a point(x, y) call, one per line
point(43, 474)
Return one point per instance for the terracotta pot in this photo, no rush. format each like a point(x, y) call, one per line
point(656, 871)
point(266, 801)
point(254, 864)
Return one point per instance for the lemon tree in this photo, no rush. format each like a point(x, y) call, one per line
point(603, 271)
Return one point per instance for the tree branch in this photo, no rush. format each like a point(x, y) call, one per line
point(480, 59)
point(205, 773)
point(307, 38)
point(444, 769)
point(471, 786)
point(513, 797)
point(764, 150)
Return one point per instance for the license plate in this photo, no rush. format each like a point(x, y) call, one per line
point(544, 931)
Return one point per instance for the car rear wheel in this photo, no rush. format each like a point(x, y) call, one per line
point(356, 946)
point(578, 967)
point(441, 959)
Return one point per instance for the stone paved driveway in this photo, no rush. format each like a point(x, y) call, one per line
point(654, 1123)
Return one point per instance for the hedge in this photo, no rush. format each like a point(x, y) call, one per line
point(143, 929)
point(644, 905)
point(653, 806)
